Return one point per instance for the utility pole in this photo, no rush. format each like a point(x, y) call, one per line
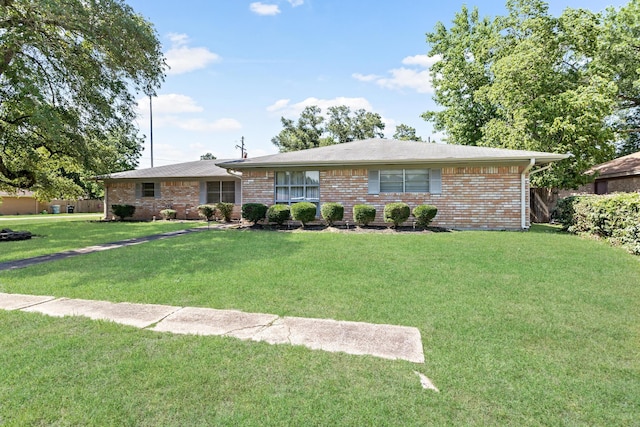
point(243, 152)
point(151, 127)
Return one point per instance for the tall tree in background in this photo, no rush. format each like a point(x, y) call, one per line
point(342, 125)
point(527, 81)
point(619, 56)
point(69, 71)
point(406, 133)
point(208, 156)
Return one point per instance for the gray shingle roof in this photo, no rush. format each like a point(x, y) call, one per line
point(197, 169)
point(388, 151)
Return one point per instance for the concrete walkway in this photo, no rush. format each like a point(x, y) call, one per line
point(359, 338)
point(21, 263)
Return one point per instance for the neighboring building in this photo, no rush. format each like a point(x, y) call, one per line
point(618, 175)
point(21, 203)
point(182, 187)
point(472, 187)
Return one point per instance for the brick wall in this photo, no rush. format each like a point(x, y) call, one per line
point(472, 197)
point(183, 196)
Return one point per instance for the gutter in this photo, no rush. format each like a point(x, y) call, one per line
point(523, 195)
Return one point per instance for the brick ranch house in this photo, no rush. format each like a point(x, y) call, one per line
point(618, 175)
point(181, 186)
point(472, 187)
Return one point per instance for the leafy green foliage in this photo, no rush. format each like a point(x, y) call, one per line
point(207, 211)
point(532, 81)
point(397, 213)
point(406, 133)
point(424, 214)
point(168, 214)
point(225, 210)
point(363, 215)
point(68, 75)
point(304, 212)
point(123, 211)
point(207, 156)
point(342, 125)
point(614, 217)
point(332, 212)
point(254, 212)
point(278, 214)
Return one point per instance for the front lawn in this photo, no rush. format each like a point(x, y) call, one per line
point(518, 329)
point(56, 233)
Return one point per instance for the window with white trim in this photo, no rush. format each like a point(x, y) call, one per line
point(221, 191)
point(405, 181)
point(297, 186)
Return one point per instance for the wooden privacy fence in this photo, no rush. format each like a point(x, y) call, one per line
point(542, 201)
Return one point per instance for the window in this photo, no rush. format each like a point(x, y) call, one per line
point(148, 189)
point(297, 186)
point(405, 181)
point(221, 191)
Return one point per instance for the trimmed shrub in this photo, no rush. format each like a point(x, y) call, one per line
point(254, 212)
point(364, 214)
point(278, 214)
point(397, 213)
point(613, 217)
point(304, 212)
point(206, 211)
point(332, 212)
point(225, 210)
point(168, 214)
point(123, 211)
point(424, 214)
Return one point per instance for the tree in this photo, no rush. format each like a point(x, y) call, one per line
point(406, 133)
point(207, 156)
point(619, 57)
point(69, 72)
point(341, 126)
point(526, 81)
point(304, 134)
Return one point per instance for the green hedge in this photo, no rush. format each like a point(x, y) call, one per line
point(397, 213)
point(614, 217)
point(332, 212)
point(364, 214)
point(424, 214)
point(254, 212)
point(206, 211)
point(123, 211)
point(225, 209)
point(168, 214)
point(279, 214)
point(304, 212)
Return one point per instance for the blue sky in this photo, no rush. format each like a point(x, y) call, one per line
point(238, 66)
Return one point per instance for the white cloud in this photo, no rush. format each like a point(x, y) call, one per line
point(296, 3)
point(202, 125)
point(283, 106)
point(407, 78)
point(264, 9)
point(425, 61)
point(365, 77)
point(417, 79)
point(170, 103)
point(183, 59)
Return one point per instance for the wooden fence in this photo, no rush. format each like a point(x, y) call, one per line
point(542, 201)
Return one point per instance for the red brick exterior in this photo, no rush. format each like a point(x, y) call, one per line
point(183, 196)
point(487, 197)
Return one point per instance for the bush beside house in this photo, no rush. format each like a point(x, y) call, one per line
point(123, 211)
point(254, 212)
point(397, 213)
point(613, 217)
point(424, 214)
point(332, 212)
point(364, 214)
point(305, 212)
point(279, 214)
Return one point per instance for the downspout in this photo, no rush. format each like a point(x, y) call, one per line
point(523, 194)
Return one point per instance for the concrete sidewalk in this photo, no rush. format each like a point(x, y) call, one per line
point(359, 338)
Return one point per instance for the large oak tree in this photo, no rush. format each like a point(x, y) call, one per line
point(532, 81)
point(69, 73)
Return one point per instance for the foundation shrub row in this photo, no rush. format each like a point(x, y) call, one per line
point(224, 211)
point(363, 215)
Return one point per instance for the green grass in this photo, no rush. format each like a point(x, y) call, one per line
point(537, 328)
point(53, 233)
